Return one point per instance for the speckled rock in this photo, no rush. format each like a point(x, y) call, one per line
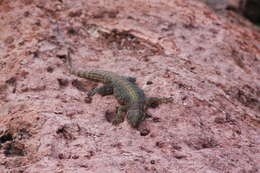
point(207, 62)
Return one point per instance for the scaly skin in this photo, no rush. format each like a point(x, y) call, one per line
point(125, 90)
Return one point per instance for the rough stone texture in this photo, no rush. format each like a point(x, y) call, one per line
point(209, 64)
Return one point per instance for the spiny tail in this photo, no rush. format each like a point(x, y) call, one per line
point(68, 62)
point(80, 73)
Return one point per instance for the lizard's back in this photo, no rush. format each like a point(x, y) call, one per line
point(126, 91)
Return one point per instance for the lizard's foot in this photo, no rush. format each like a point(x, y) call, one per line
point(91, 93)
point(116, 122)
point(167, 100)
point(119, 115)
point(154, 102)
point(131, 79)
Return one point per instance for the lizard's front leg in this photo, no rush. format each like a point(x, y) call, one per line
point(119, 115)
point(154, 102)
point(102, 90)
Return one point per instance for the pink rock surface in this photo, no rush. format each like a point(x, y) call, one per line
point(208, 63)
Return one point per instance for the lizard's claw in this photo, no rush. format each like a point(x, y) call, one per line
point(115, 122)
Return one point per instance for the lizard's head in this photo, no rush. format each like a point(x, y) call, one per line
point(135, 117)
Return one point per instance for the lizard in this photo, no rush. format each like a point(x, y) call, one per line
point(124, 88)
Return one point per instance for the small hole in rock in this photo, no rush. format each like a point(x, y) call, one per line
point(6, 137)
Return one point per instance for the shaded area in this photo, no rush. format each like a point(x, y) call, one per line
point(252, 11)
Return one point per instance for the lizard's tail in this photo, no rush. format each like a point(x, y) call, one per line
point(69, 63)
point(72, 70)
point(70, 67)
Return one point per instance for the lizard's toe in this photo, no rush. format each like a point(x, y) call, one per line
point(116, 122)
point(169, 100)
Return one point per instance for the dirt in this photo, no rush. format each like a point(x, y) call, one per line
point(207, 62)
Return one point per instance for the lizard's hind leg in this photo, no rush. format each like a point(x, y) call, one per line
point(102, 90)
point(131, 79)
point(154, 102)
